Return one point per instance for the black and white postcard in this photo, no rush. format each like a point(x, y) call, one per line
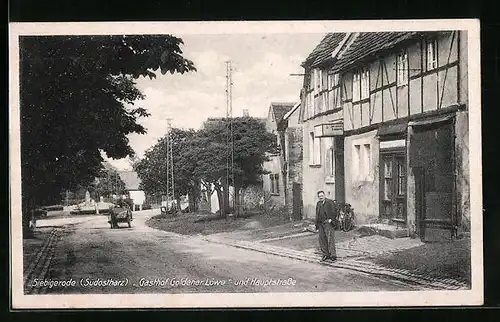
point(245, 164)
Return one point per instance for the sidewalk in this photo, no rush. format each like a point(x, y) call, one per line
point(38, 251)
point(431, 266)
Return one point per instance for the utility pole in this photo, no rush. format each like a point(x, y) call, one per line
point(229, 133)
point(169, 168)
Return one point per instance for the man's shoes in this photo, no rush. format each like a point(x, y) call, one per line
point(324, 258)
point(332, 258)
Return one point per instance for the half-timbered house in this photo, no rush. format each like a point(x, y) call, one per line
point(386, 128)
point(404, 98)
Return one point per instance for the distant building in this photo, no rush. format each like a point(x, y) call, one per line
point(133, 192)
point(292, 153)
point(274, 181)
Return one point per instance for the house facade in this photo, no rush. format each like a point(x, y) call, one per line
point(292, 152)
point(133, 192)
point(274, 181)
point(322, 124)
point(404, 135)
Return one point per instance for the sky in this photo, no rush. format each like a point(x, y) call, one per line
point(261, 63)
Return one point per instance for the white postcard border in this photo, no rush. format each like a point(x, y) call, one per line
point(302, 299)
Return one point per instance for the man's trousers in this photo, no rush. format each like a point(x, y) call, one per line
point(327, 239)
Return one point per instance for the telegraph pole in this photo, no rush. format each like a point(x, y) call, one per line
point(169, 169)
point(229, 133)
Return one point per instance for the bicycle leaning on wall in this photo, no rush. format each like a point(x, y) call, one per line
point(345, 217)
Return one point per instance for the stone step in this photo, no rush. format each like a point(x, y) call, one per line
point(386, 230)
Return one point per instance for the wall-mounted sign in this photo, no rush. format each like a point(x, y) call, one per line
point(329, 129)
point(393, 144)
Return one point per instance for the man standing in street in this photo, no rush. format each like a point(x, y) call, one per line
point(325, 216)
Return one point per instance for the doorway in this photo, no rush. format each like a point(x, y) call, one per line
point(339, 169)
point(297, 201)
point(393, 186)
point(432, 162)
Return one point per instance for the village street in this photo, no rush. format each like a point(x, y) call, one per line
point(144, 260)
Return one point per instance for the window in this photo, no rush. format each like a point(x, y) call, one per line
point(362, 162)
point(334, 87)
point(361, 85)
point(274, 180)
point(308, 108)
point(431, 46)
point(387, 178)
point(365, 84)
point(367, 161)
point(318, 80)
point(333, 80)
point(356, 87)
point(402, 67)
point(401, 179)
point(314, 149)
point(324, 80)
point(356, 161)
point(331, 162)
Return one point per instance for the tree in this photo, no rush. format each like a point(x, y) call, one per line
point(252, 143)
point(152, 168)
point(78, 98)
point(201, 158)
point(108, 183)
point(209, 151)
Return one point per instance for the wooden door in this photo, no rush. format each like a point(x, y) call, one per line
point(297, 201)
point(393, 187)
point(432, 163)
point(339, 170)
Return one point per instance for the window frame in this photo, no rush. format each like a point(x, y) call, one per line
point(271, 183)
point(402, 65)
point(277, 183)
point(314, 149)
point(362, 161)
point(335, 89)
point(367, 161)
point(431, 64)
point(361, 85)
point(331, 163)
point(318, 81)
point(356, 86)
point(365, 90)
point(356, 161)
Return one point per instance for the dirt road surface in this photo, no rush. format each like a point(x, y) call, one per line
point(97, 259)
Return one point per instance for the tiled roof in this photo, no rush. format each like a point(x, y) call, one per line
point(323, 51)
point(130, 179)
point(367, 44)
point(280, 109)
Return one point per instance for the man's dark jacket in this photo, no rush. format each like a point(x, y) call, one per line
point(325, 211)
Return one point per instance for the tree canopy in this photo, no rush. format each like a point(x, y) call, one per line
point(201, 157)
point(77, 98)
point(108, 183)
point(152, 168)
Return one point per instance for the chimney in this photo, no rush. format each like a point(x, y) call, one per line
point(245, 112)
